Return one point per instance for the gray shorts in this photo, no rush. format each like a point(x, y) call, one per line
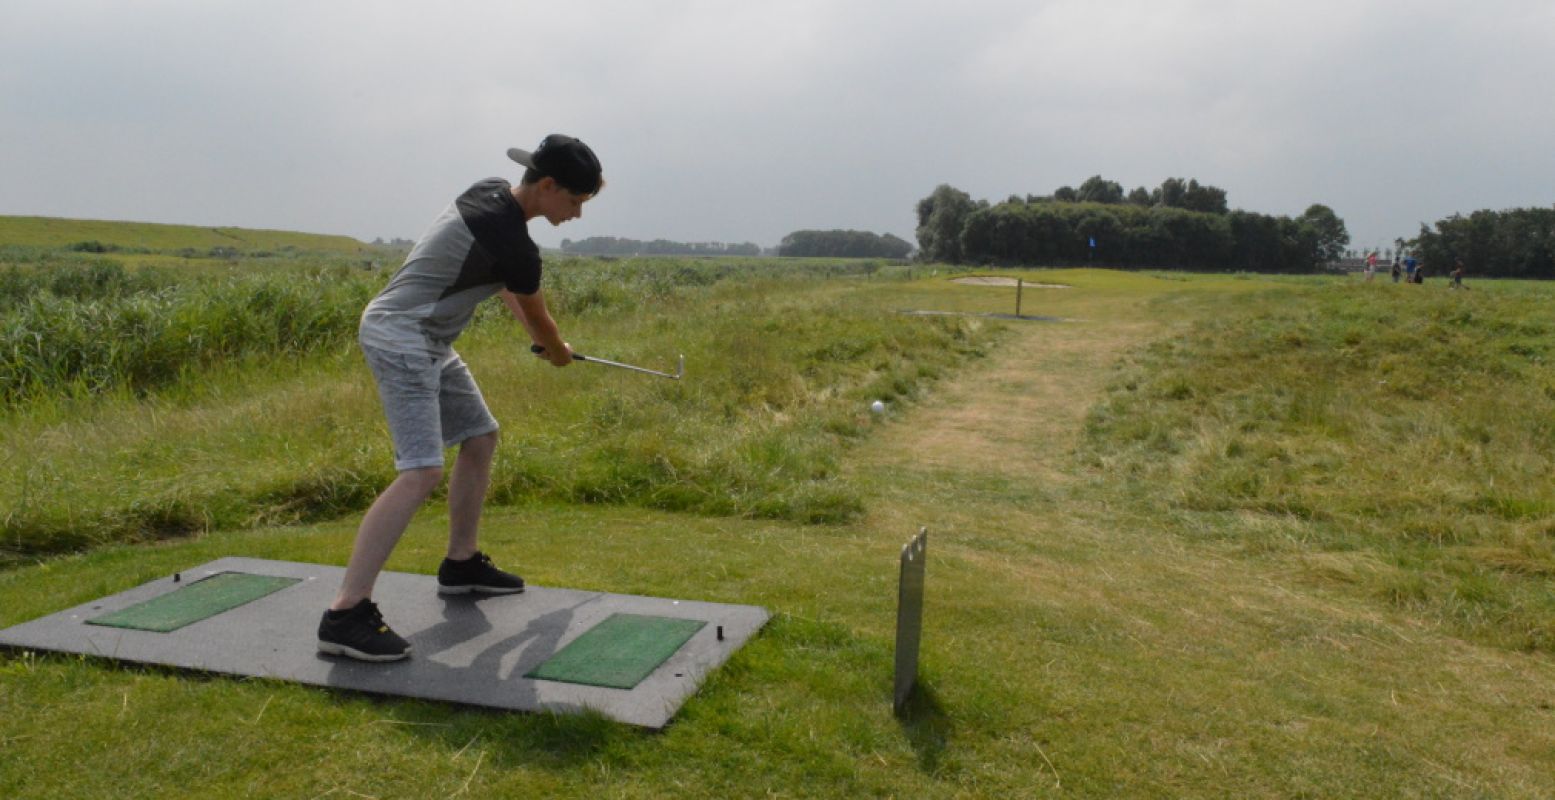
point(430, 402)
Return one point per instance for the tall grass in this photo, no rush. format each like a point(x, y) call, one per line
point(25, 272)
point(757, 429)
point(85, 329)
point(1408, 430)
point(83, 325)
point(234, 400)
point(581, 285)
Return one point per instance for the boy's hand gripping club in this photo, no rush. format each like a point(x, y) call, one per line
point(680, 367)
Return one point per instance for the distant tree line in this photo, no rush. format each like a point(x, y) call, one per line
point(1516, 243)
point(1172, 193)
point(614, 246)
point(1181, 224)
point(844, 244)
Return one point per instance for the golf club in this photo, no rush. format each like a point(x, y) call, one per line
point(680, 368)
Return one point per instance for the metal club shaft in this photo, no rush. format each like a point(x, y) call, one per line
point(680, 367)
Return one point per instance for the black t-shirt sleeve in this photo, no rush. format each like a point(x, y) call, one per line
point(499, 227)
point(520, 269)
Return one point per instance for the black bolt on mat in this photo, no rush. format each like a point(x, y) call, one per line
point(720, 633)
point(177, 576)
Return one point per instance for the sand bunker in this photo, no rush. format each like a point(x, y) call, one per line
point(985, 280)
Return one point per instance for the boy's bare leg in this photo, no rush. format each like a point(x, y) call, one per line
point(467, 493)
point(381, 528)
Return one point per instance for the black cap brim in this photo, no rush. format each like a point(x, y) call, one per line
point(524, 157)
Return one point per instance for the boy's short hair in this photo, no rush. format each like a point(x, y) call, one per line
point(533, 176)
point(568, 161)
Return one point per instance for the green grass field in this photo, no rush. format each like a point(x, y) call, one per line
point(1211, 536)
point(53, 232)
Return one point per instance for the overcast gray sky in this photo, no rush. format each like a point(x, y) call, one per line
point(742, 121)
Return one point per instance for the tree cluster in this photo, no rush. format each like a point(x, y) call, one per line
point(844, 244)
point(1516, 243)
point(613, 246)
point(1180, 225)
point(1185, 193)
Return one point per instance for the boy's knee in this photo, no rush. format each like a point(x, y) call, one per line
point(424, 479)
point(486, 442)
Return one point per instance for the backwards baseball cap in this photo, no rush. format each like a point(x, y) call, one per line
point(565, 160)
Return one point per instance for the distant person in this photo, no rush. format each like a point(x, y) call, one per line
point(1419, 274)
point(1410, 265)
point(1371, 270)
point(479, 246)
point(1396, 271)
point(1371, 261)
point(1457, 274)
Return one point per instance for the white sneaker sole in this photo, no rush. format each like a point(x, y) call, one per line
point(351, 652)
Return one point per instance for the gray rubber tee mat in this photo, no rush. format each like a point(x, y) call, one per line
point(466, 649)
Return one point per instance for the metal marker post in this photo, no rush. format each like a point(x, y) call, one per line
point(909, 617)
point(1020, 284)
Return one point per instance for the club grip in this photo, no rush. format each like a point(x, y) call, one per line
point(537, 350)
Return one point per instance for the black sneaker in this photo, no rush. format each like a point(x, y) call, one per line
point(359, 632)
point(476, 574)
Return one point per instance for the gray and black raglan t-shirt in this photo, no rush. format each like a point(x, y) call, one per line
point(479, 244)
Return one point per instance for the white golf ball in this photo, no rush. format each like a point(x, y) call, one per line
point(878, 407)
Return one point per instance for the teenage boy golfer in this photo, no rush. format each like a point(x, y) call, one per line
point(478, 247)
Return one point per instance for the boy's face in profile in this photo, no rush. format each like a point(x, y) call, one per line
point(559, 204)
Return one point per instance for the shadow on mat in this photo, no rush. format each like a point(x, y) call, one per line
point(562, 738)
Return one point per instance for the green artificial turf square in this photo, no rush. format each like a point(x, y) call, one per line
point(618, 652)
point(199, 600)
